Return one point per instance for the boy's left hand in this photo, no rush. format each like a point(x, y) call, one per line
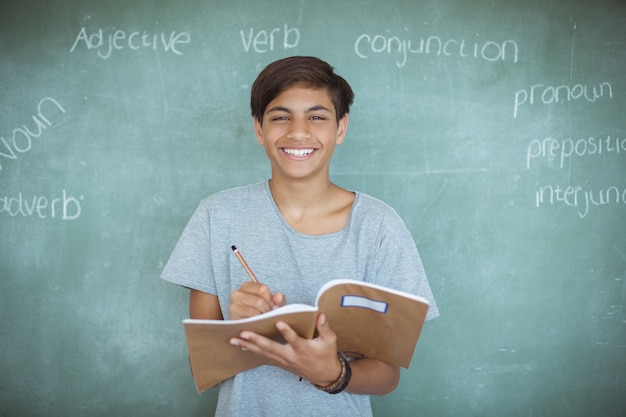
point(313, 359)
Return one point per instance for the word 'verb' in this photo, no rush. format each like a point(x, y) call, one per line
point(264, 41)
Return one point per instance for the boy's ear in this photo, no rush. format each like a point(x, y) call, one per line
point(342, 129)
point(258, 130)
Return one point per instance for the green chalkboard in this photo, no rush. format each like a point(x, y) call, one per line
point(497, 130)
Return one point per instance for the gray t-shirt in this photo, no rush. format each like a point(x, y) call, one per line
point(374, 246)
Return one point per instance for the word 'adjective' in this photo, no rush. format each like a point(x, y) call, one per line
point(21, 139)
point(116, 40)
point(264, 41)
point(64, 207)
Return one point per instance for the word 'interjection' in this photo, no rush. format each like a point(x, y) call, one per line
point(366, 46)
point(64, 206)
point(21, 139)
point(579, 198)
point(105, 43)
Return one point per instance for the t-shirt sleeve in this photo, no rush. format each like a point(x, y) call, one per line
point(190, 264)
point(400, 265)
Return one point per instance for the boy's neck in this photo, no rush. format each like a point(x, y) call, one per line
point(312, 208)
point(301, 194)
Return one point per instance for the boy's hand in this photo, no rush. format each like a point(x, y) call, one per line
point(253, 299)
point(313, 359)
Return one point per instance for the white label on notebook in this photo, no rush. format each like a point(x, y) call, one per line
point(357, 301)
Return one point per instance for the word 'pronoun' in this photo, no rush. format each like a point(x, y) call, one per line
point(549, 94)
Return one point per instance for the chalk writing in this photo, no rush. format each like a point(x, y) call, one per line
point(63, 207)
point(547, 94)
point(579, 198)
point(552, 149)
point(264, 41)
point(368, 45)
point(105, 43)
point(21, 139)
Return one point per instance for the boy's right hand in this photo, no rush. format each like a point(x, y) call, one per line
point(253, 299)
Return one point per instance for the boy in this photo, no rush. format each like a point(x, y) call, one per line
point(298, 230)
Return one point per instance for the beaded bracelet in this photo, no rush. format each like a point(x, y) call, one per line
point(342, 381)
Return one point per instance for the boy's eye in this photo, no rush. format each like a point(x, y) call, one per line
point(286, 118)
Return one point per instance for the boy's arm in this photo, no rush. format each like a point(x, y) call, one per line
point(373, 377)
point(203, 305)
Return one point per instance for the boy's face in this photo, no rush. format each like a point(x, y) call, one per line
point(300, 132)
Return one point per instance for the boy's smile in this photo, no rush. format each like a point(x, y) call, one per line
point(298, 153)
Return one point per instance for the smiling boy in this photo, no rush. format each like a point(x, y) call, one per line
point(298, 231)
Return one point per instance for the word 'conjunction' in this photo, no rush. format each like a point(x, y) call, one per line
point(367, 46)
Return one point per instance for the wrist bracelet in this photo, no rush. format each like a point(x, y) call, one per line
point(342, 381)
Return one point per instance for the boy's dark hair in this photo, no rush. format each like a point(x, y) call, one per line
point(306, 71)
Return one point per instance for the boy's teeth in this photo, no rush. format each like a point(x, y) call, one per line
point(298, 152)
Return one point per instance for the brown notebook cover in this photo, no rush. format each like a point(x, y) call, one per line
point(370, 320)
